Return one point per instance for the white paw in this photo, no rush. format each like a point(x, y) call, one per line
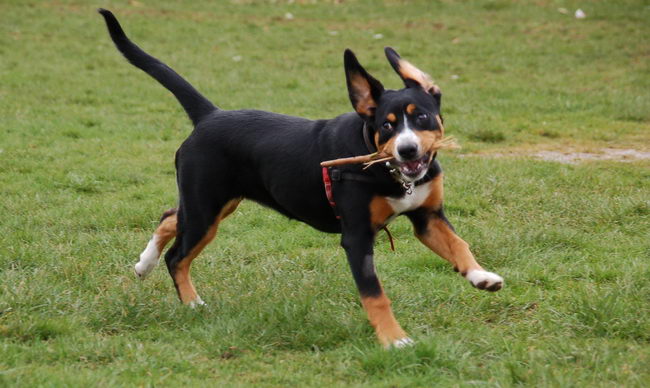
point(401, 343)
point(144, 268)
point(148, 259)
point(485, 280)
point(198, 302)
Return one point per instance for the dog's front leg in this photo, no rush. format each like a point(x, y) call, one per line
point(434, 230)
point(358, 245)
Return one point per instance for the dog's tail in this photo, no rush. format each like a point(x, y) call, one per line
point(195, 104)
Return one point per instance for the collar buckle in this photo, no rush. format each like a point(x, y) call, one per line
point(408, 186)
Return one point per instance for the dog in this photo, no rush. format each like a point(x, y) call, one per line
point(274, 160)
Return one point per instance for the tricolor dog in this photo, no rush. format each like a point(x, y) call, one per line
point(275, 159)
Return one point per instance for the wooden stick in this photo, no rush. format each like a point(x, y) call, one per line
point(350, 160)
point(383, 156)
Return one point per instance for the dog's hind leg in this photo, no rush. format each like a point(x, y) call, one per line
point(164, 233)
point(197, 228)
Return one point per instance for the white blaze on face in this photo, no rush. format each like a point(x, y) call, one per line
point(406, 137)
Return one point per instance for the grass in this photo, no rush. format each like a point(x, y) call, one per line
point(86, 167)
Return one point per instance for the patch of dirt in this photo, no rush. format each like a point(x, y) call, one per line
point(617, 155)
point(575, 157)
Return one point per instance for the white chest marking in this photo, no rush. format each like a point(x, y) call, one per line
point(410, 202)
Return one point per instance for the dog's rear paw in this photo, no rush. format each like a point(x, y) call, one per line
point(484, 280)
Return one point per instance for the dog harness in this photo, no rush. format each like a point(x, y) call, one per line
point(327, 182)
point(334, 174)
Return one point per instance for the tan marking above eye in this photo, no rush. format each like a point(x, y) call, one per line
point(391, 117)
point(410, 108)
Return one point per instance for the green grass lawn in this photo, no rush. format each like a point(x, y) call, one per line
point(87, 145)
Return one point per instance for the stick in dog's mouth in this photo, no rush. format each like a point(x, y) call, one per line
point(432, 144)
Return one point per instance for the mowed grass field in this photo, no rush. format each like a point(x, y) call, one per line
point(87, 146)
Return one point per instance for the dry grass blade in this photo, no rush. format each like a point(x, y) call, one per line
point(371, 162)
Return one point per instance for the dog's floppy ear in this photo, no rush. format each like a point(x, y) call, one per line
point(363, 88)
point(411, 75)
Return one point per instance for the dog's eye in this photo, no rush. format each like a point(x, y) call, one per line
point(387, 126)
point(422, 120)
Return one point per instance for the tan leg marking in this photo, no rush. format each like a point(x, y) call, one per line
point(150, 257)
point(380, 212)
point(441, 239)
point(446, 244)
point(165, 232)
point(439, 236)
point(182, 278)
point(381, 317)
point(436, 193)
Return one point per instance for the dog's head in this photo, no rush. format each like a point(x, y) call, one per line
point(402, 121)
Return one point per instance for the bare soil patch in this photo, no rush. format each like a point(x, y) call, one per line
point(618, 155)
point(574, 157)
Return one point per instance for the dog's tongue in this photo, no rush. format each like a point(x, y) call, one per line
point(412, 165)
point(412, 168)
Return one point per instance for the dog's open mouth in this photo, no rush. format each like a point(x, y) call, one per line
point(413, 169)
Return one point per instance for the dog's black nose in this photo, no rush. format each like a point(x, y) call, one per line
point(408, 151)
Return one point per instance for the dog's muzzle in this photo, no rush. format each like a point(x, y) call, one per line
point(412, 170)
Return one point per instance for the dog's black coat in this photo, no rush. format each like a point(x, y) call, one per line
point(275, 160)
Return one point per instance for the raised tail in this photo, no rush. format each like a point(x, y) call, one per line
point(194, 103)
